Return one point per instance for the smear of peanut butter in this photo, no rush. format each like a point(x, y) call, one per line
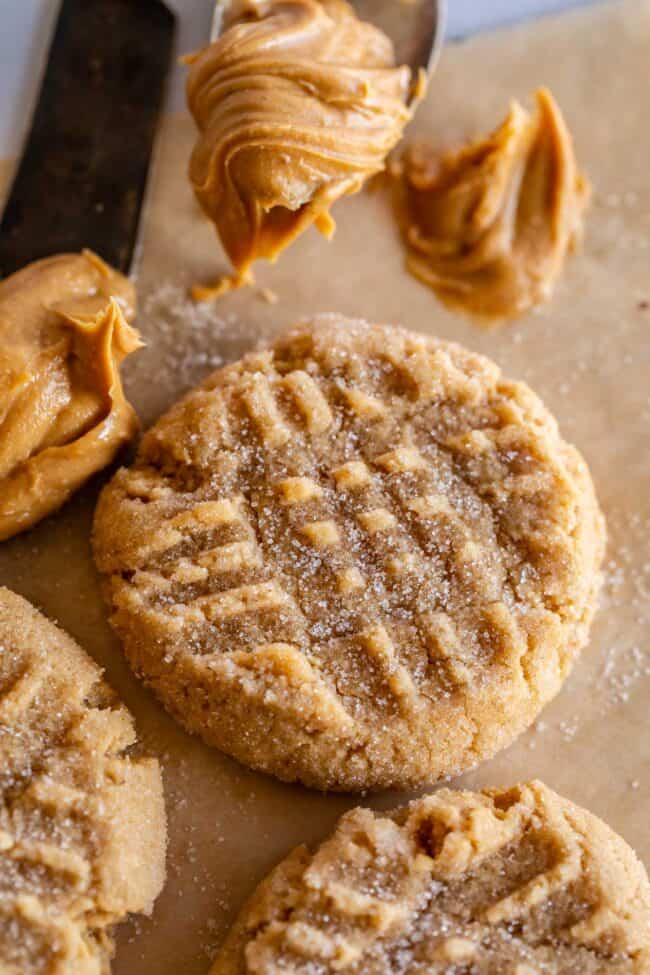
point(297, 104)
point(63, 333)
point(488, 228)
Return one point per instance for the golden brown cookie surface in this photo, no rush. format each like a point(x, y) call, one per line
point(517, 882)
point(82, 824)
point(359, 558)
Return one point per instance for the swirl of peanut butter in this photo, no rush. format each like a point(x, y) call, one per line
point(297, 104)
point(488, 228)
point(63, 333)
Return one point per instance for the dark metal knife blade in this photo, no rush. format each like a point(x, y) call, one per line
point(82, 176)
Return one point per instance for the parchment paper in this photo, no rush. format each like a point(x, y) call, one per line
point(587, 353)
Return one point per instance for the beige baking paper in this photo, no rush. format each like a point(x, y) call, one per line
point(587, 353)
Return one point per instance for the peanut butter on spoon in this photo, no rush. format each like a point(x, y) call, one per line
point(64, 331)
point(488, 228)
point(297, 104)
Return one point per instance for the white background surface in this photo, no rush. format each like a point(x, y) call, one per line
point(27, 26)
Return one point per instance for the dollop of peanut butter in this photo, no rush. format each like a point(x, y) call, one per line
point(63, 333)
point(488, 228)
point(297, 104)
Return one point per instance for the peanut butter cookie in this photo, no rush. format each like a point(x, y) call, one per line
point(359, 558)
point(82, 824)
point(517, 882)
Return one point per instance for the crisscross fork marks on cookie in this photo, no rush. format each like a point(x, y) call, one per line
point(386, 477)
point(235, 557)
point(431, 373)
point(52, 796)
point(413, 482)
point(309, 399)
point(280, 668)
point(414, 890)
point(201, 518)
point(384, 531)
point(17, 697)
point(364, 405)
point(67, 787)
point(222, 585)
point(306, 513)
point(463, 556)
point(441, 639)
point(146, 486)
point(68, 869)
point(511, 473)
point(262, 597)
point(380, 646)
point(322, 532)
point(368, 890)
point(315, 518)
point(261, 400)
point(396, 549)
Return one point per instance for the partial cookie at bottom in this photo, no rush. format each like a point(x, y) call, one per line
point(82, 821)
point(515, 882)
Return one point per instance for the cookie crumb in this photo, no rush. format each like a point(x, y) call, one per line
point(268, 295)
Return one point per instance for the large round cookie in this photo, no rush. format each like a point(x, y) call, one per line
point(82, 824)
point(358, 558)
point(517, 882)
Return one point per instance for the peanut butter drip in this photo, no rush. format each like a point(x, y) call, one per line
point(488, 228)
point(297, 104)
point(63, 333)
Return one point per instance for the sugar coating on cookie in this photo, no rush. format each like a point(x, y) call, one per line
point(516, 882)
point(82, 823)
point(358, 558)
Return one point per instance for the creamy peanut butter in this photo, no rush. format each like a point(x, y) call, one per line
point(488, 228)
point(297, 104)
point(63, 333)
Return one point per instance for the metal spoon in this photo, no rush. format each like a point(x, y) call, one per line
point(416, 27)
